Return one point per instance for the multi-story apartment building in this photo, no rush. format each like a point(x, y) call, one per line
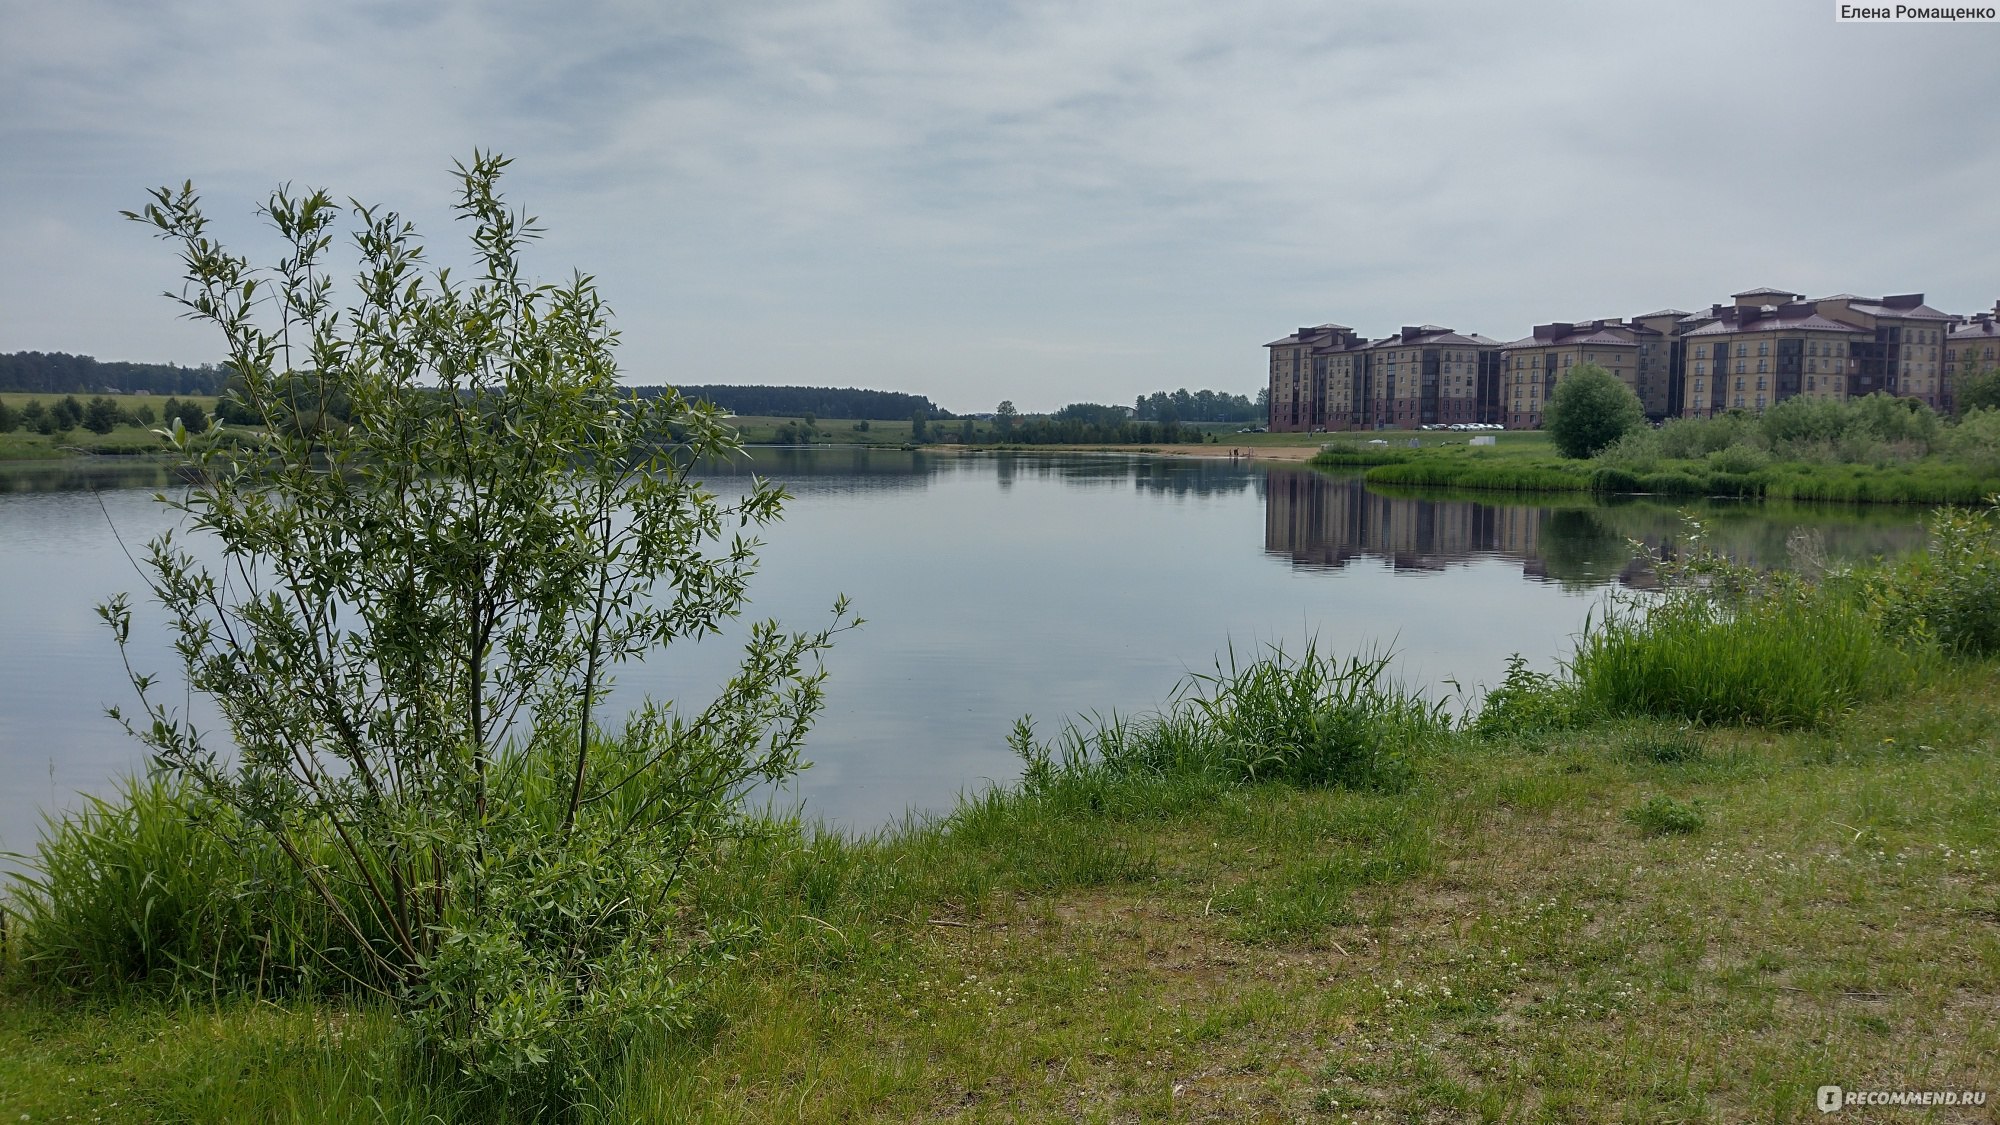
point(1903, 351)
point(1973, 346)
point(1659, 363)
point(1531, 367)
point(1328, 378)
point(1349, 385)
point(1427, 375)
point(1764, 347)
point(1297, 390)
point(1748, 357)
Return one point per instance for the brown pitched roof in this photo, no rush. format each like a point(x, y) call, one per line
point(1812, 322)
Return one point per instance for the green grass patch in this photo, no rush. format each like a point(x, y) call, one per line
point(1946, 475)
point(1773, 661)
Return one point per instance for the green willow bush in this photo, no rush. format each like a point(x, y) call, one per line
point(414, 620)
point(1527, 702)
point(1949, 594)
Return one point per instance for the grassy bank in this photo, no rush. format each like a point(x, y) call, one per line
point(1499, 938)
point(1526, 469)
point(1873, 450)
point(1298, 893)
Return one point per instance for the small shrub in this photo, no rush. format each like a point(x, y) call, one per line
point(1976, 439)
point(1687, 439)
point(1673, 484)
point(1950, 594)
point(1638, 451)
point(502, 532)
point(1734, 484)
point(1661, 815)
point(1526, 702)
point(1738, 459)
point(1612, 479)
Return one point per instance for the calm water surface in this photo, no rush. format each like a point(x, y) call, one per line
point(993, 586)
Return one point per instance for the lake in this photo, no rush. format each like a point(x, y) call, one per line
point(993, 585)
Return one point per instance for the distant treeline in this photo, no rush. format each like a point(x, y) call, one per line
point(820, 402)
point(1201, 406)
point(61, 373)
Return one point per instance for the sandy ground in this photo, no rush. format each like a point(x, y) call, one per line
point(1253, 452)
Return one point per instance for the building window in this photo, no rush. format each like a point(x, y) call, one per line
point(1739, 367)
point(1763, 365)
point(1742, 349)
point(1763, 347)
point(1739, 385)
point(1809, 383)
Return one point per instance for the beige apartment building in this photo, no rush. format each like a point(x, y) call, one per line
point(1426, 375)
point(1299, 386)
point(1972, 346)
point(1658, 371)
point(1328, 378)
point(1764, 347)
point(1749, 357)
point(1903, 350)
point(1532, 367)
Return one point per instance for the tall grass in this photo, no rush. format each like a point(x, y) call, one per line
point(156, 888)
point(1308, 720)
point(1767, 660)
point(1461, 471)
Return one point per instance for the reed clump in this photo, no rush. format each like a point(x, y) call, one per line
point(1308, 720)
point(1766, 659)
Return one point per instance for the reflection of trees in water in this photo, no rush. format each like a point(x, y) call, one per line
point(87, 474)
point(1174, 476)
point(836, 469)
point(1318, 520)
point(856, 469)
point(1579, 548)
point(1758, 534)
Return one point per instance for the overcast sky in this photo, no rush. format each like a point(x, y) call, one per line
point(1047, 202)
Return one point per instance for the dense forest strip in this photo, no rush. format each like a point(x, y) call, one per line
point(821, 402)
point(62, 373)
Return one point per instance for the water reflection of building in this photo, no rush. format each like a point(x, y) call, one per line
point(1321, 521)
